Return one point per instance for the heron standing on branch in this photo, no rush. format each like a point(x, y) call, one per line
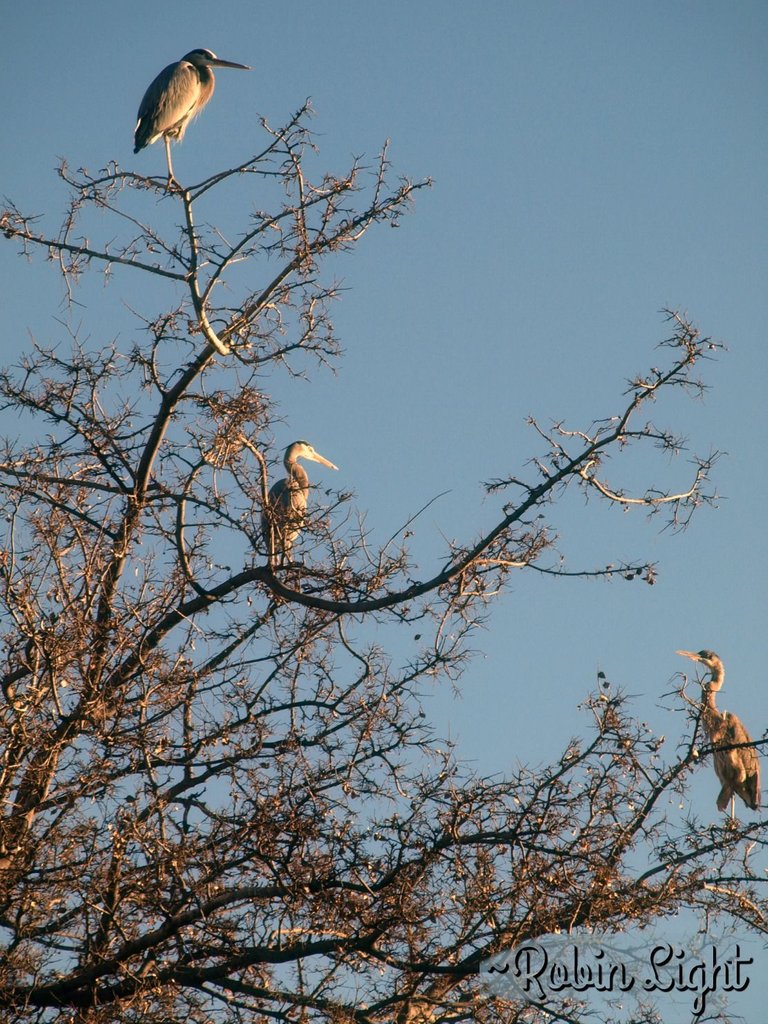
point(283, 519)
point(177, 95)
point(738, 770)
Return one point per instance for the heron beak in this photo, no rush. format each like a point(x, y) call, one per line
point(216, 63)
point(689, 654)
point(319, 458)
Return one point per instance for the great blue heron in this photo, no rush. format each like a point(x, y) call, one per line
point(283, 520)
point(177, 95)
point(738, 770)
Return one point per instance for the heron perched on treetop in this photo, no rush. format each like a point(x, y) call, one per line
point(283, 519)
point(738, 770)
point(177, 95)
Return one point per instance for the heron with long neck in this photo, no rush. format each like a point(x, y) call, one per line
point(283, 519)
point(177, 95)
point(737, 769)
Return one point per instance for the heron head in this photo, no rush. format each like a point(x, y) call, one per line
point(710, 660)
point(207, 58)
point(304, 450)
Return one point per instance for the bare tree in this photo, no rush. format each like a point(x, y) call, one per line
point(221, 799)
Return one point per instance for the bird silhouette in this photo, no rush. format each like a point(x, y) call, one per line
point(283, 519)
point(738, 770)
point(177, 95)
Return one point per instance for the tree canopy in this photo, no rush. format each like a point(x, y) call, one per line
point(221, 797)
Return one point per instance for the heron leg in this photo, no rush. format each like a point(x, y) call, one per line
point(171, 179)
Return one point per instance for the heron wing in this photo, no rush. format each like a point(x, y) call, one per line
point(751, 793)
point(168, 103)
point(746, 759)
point(287, 504)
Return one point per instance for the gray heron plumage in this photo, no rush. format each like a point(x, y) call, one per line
point(177, 95)
point(283, 519)
point(738, 770)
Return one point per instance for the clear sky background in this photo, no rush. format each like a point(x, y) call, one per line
point(593, 162)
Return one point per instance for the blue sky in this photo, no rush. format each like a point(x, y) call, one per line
point(593, 162)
